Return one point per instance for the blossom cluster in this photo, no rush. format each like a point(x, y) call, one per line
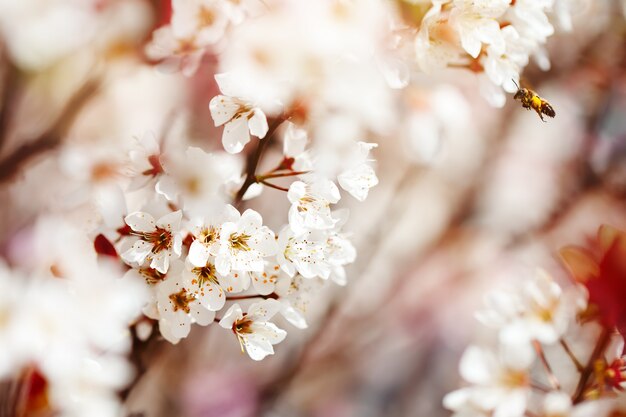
point(494, 38)
point(527, 372)
point(149, 236)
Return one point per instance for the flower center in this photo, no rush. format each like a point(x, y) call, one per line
point(239, 241)
point(205, 274)
point(206, 17)
point(161, 239)
point(514, 379)
point(181, 300)
point(208, 235)
point(243, 326)
point(152, 276)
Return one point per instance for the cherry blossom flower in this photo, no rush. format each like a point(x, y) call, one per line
point(504, 67)
point(243, 243)
point(256, 335)
point(310, 205)
point(304, 253)
point(437, 43)
point(358, 176)
point(206, 233)
point(145, 165)
point(209, 286)
point(240, 118)
point(177, 308)
point(158, 241)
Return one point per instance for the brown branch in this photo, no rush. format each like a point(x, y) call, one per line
point(542, 357)
point(52, 137)
point(274, 186)
point(254, 159)
point(571, 355)
point(273, 296)
point(601, 345)
point(9, 92)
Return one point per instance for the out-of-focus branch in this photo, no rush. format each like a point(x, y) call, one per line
point(52, 136)
point(10, 84)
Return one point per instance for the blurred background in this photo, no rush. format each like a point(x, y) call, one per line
point(470, 198)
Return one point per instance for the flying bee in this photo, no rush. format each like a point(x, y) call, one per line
point(530, 100)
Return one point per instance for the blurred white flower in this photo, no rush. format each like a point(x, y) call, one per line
point(476, 23)
point(203, 20)
point(145, 162)
point(540, 310)
point(557, 404)
point(437, 43)
point(175, 54)
point(255, 333)
point(194, 179)
point(504, 67)
point(358, 175)
point(500, 383)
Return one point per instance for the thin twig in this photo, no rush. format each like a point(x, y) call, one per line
point(254, 159)
point(277, 187)
point(273, 296)
point(571, 355)
point(542, 357)
point(601, 345)
point(280, 175)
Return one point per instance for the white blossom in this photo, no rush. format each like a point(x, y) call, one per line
point(255, 333)
point(158, 241)
point(310, 205)
point(240, 117)
point(243, 243)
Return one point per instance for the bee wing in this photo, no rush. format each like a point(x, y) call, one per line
point(547, 109)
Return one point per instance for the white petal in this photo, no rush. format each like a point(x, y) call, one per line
point(140, 222)
point(167, 187)
point(223, 109)
point(201, 315)
point(212, 297)
point(235, 135)
point(232, 314)
point(264, 310)
point(198, 254)
point(258, 349)
point(293, 316)
point(258, 124)
point(161, 261)
point(477, 365)
point(171, 221)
